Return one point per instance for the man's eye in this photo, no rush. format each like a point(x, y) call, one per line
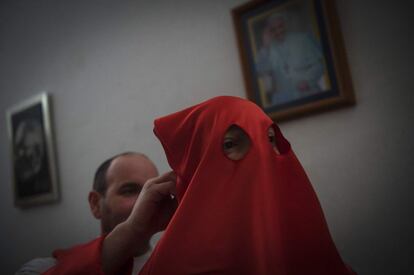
point(130, 190)
point(271, 136)
point(228, 144)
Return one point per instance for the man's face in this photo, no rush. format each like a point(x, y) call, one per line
point(125, 178)
point(277, 28)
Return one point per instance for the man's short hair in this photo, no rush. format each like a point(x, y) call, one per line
point(99, 181)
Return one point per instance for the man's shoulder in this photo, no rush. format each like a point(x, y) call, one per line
point(85, 250)
point(36, 266)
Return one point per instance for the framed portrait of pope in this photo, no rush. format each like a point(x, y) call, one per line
point(292, 56)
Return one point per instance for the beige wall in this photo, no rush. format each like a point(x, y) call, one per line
point(113, 66)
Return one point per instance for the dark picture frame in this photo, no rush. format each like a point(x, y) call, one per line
point(292, 56)
point(34, 168)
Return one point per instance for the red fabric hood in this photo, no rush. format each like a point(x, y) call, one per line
point(257, 215)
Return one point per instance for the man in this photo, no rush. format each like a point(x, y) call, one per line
point(292, 60)
point(132, 203)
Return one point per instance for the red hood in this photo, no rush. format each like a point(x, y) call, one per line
point(257, 215)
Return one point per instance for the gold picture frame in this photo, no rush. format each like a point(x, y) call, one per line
point(292, 56)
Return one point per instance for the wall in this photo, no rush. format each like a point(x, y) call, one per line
point(113, 66)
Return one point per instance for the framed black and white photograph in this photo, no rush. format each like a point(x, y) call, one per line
point(34, 168)
point(292, 56)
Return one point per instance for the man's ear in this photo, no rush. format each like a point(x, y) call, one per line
point(94, 199)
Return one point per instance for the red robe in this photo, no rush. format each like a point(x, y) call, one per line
point(257, 215)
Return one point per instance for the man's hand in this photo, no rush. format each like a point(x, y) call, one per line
point(155, 205)
point(152, 212)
